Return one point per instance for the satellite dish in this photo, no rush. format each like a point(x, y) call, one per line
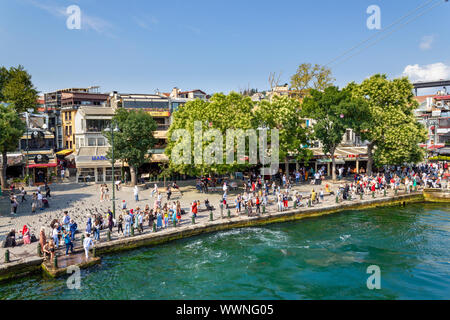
point(44, 126)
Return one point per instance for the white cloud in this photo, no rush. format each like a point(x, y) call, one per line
point(145, 22)
point(429, 72)
point(426, 42)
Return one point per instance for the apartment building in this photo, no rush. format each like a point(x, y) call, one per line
point(70, 103)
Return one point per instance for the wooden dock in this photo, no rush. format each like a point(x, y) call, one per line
point(64, 262)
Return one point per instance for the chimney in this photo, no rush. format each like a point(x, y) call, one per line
point(174, 93)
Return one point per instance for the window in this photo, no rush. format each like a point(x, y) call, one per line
point(70, 115)
point(92, 142)
point(100, 142)
point(348, 136)
point(94, 125)
point(70, 130)
point(86, 174)
point(70, 143)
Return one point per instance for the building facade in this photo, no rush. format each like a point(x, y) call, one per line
point(70, 102)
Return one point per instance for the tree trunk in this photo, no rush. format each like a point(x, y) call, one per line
point(333, 167)
point(133, 175)
point(370, 158)
point(3, 182)
point(286, 165)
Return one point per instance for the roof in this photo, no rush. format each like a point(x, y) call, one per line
point(421, 99)
point(447, 97)
point(346, 152)
point(196, 90)
point(101, 111)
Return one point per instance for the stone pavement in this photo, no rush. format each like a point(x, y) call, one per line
point(81, 200)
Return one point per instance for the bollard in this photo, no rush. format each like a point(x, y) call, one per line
point(93, 252)
point(154, 227)
point(295, 204)
point(229, 213)
point(132, 230)
point(55, 261)
point(211, 216)
point(108, 235)
point(309, 202)
point(396, 192)
point(174, 223)
point(373, 194)
point(384, 192)
point(361, 196)
point(39, 250)
point(193, 219)
point(337, 199)
point(264, 209)
point(6, 256)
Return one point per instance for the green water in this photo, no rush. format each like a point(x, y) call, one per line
point(318, 258)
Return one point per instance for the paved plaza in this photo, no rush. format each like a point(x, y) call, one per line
point(83, 200)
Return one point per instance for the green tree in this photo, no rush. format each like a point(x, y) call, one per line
point(311, 77)
point(18, 92)
point(18, 89)
point(134, 140)
point(11, 130)
point(222, 112)
point(334, 111)
point(284, 114)
point(389, 126)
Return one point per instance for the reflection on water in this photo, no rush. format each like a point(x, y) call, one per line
point(320, 258)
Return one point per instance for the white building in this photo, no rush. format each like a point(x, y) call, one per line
point(91, 145)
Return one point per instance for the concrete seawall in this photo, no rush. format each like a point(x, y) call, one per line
point(32, 265)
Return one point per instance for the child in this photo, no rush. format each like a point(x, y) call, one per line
point(124, 205)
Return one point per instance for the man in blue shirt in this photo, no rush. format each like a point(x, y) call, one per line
point(73, 228)
point(68, 242)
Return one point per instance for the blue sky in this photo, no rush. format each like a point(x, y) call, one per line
point(217, 46)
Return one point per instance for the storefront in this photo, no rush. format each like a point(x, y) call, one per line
point(93, 166)
point(42, 172)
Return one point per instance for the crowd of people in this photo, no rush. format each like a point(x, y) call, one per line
point(257, 194)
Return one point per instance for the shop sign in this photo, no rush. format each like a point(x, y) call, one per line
point(98, 158)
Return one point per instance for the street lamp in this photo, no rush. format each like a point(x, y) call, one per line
point(30, 110)
point(116, 129)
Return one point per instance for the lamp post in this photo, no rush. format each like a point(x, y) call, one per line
point(26, 160)
point(116, 129)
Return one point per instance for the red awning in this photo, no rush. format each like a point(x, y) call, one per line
point(436, 146)
point(447, 97)
point(42, 165)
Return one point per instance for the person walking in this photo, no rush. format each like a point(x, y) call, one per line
point(39, 201)
point(158, 219)
point(87, 245)
point(68, 242)
point(47, 190)
point(14, 204)
point(128, 221)
point(110, 221)
point(169, 193)
point(120, 225)
point(89, 225)
point(23, 193)
point(136, 193)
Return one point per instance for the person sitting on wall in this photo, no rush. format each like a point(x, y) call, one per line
point(10, 240)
